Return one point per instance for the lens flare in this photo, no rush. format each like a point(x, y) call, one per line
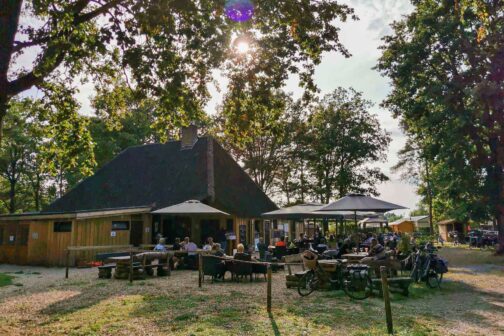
point(243, 47)
point(239, 10)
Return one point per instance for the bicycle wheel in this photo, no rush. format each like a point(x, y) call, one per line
point(433, 279)
point(308, 283)
point(358, 288)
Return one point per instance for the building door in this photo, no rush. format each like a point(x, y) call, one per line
point(136, 233)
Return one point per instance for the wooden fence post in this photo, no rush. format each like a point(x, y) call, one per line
point(200, 270)
point(268, 295)
point(131, 267)
point(386, 299)
point(67, 263)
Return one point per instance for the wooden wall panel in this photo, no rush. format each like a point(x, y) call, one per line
point(97, 232)
point(37, 243)
point(57, 242)
point(46, 247)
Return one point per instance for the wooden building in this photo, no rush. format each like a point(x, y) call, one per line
point(449, 225)
point(114, 206)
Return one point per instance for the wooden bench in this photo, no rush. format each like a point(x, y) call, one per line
point(396, 284)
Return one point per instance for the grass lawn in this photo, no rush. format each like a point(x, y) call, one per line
point(471, 302)
point(5, 279)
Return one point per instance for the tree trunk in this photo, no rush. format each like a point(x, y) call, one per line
point(9, 20)
point(12, 196)
point(498, 172)
point(429, 196)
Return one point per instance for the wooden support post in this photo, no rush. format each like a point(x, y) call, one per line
point(268, 295)
point(67, 263)
point(131, 267)
point(200, 270)
point(386, 299)
point(168, 268)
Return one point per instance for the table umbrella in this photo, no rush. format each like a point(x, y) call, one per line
point(359, 202)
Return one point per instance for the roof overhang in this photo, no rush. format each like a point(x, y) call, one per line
point(78, 215)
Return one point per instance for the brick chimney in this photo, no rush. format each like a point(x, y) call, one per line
point(188, 136)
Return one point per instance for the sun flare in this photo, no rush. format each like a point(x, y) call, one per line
point(243, 47)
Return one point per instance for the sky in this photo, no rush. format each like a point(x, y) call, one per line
point(362, 38)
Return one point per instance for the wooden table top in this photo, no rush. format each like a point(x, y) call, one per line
point(357, 255)
point(329, 261)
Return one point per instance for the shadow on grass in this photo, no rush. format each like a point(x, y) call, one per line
point(274, 325)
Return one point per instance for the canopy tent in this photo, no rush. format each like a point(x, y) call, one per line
point(359, 202)
point(191, 207)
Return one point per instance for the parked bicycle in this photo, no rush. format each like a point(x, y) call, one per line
point(354, 280)
point(427, 266)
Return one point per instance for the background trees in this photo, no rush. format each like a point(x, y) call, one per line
point(47, 149)
point(343, 142)
point(150, 63)
point(446, 64)
point(300, 152)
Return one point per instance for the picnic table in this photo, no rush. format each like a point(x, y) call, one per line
point(354, 257)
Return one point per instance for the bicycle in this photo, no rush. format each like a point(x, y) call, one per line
point(425, 267)
point(355, 280)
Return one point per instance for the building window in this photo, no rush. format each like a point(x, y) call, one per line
point(23, 235)
point(63, 226)
point(120, 226)
point(229, 225)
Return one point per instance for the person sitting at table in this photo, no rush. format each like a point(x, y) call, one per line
point(160, 246)
point(240, 253)
point(301, 242)
point(190, 247)
point(262, 248)
point(209, 245)
point(281, 242)
point(176, 245)
point(220, 267)
point(376, 252)
point(217, 250)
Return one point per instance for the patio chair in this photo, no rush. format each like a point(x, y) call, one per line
point(241, 269)
point(260, 268)
point(212, 266)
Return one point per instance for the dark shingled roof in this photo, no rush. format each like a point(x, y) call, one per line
point(160, 175)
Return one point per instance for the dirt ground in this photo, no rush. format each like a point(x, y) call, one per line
point(41, 302)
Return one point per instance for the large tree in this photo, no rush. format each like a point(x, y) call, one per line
point(446, 62)
point(343, 141)
point(166, 49)
point(253, 125)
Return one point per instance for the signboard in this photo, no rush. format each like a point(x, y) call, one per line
point(147, 229)
point(35, 235)
point(113, 233)
point(230, 236)
point(12, 238)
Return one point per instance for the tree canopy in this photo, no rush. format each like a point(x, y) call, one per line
point(165, 49)
point(446, 63)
